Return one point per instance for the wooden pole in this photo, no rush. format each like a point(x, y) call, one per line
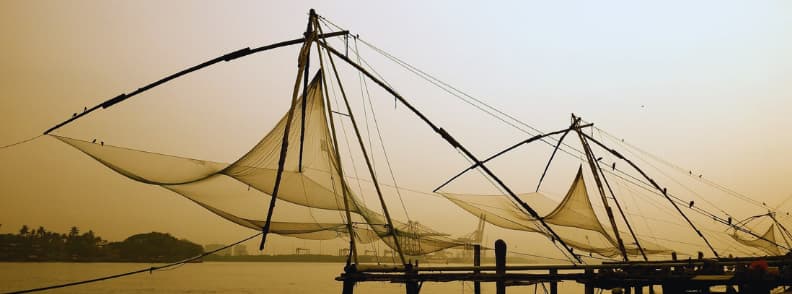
point(349, 283)
point(591, 162)
point(526, 141)
point(391, 228)
point(285, 141)
point(589, 287)
point(476, 263)
point(659, 189)
point(621, 211)
point(500, 265)
point(308, 34)
point(344, 189)
point(553, 283)
point(227, 57)
point(411, 273)
point(552, 155)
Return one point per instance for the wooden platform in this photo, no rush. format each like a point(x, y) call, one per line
point(736, 275)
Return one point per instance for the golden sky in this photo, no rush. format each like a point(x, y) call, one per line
point(705, 85)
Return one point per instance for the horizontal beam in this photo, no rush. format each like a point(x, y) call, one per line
point(504, 151)
point(454, 277)
point(780, 260)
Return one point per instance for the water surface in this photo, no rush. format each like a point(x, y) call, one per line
point(215, 277)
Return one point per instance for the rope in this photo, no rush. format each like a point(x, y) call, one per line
point(149, 270)
point(540, 256)
point(694, 193)
point(379, 134)
point(21, 142)
point(689, 173)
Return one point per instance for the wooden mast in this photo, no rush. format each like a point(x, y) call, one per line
point(590, 159)
point(618, 205)
point(344, 189)
point(301, 64)
point(654, 184)
point(391, 228)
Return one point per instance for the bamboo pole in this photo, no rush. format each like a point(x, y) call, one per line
point(227, 57)
point(391, 227)
point(344, 189)
point(304, 51)
point(590, 160)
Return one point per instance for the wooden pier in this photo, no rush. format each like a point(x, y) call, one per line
point(731, 275)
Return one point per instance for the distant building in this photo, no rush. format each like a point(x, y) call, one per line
point(212, 247)
point(240, 250)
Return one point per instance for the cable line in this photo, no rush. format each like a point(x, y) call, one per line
point(21, 142)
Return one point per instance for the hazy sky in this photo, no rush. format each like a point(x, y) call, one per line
point(706, 85)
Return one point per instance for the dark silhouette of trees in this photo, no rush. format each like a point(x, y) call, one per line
point(43, 245)
point(156, 247)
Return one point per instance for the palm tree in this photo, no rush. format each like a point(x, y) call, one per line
point(40, 232)
point(24, 230)
point(74, 232)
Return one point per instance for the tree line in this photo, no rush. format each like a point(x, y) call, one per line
point(43, 245)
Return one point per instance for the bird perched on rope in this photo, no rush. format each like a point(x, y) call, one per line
point(102, 142)
point(94, 141)
point(691, 204)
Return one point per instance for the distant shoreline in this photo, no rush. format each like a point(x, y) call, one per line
point(290, 258)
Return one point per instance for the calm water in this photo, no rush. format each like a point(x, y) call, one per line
point(214, 277)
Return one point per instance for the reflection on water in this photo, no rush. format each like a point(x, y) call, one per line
point(214, 277)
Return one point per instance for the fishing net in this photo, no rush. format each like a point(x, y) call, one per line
point(312, 187)
point(766, 243)
point(573, 219)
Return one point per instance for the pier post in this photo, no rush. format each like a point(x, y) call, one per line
point(411, 273)
point(477, 263)
point(349, 283)
point(553, 283)
point(638, 289)
point(349, 287)
point(589, 286)
point(500, 266)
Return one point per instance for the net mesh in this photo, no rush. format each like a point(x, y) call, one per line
point(573, 219)
point(311, 185)
point(766, 243)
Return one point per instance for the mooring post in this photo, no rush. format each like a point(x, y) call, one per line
point(500, 266)
point(554, 282)
point(349, 283)
point(589, 285)
point(411, 273)
point(638, 289)
point(476, 263)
